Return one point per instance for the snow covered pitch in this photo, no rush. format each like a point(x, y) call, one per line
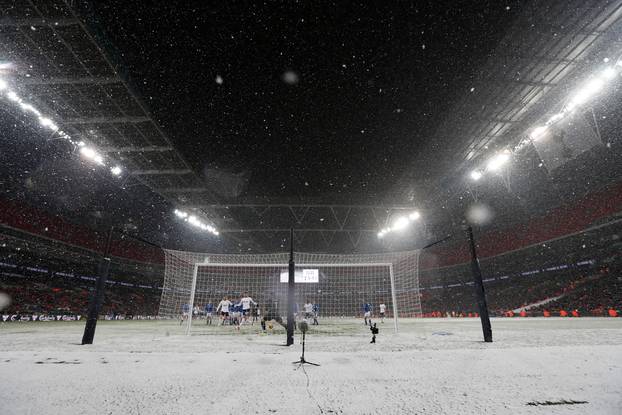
point(535, 366)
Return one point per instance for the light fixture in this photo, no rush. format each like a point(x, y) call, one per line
point(116, 170)
point(538, 132)
point(193, 220)
point(414, 216)
point(46, 122)
point(400, 223)
point(476, 175)
point(497, 161)
point(12, 96)
point(609, 73)
point(88, 152)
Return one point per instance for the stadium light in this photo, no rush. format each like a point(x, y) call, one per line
point(609, 73)
point(590, 89)
point(13, 96)
point(414, 216)
point(476, 175)
point(400, 223)
point(88, 152)
point(538, 132)
point(497, 161)
point(48, 122)
point(193, 220)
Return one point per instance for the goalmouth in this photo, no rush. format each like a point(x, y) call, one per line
point(337, 285)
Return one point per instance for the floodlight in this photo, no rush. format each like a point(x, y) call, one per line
point(12, 96)
point(538, 132)
point(414, 216)
point(497, 161)
point(81, 144)
point(586, 93)
point(476, 175)
point(88, 152)
point(180, 213)
point(116, 170)
point(46, 122)
point(3, 85)
point(401, 223)
point(28, 107)
point(609, 73)
point(556, 117)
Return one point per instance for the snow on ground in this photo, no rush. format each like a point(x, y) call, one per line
point(433, 366)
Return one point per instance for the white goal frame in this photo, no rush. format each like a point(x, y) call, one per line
point(196, 266)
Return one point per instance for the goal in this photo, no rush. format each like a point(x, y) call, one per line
point(337, 285)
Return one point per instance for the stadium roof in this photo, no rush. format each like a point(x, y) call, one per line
point(63, 63)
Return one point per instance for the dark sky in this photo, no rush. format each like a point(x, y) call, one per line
point(369, 82)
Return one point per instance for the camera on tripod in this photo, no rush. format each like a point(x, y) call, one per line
point(374, 330)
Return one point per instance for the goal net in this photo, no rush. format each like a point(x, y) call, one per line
point(338, 286)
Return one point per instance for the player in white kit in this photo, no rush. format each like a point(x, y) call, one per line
point(223, 307)
point(246, 302)
point(308, 310)
point(383, 308)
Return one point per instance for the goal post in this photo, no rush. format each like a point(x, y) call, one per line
point(338, 285)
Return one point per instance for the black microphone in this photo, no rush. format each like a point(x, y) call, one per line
point(303, 326)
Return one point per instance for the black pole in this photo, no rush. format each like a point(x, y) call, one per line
point(479, 289)
point(97, 298)
point(290, 291)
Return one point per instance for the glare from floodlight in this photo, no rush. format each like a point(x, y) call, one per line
point(3, 85)
point(88, 152)
point(12, 96)
point(380, 234)
point(609, 73)
point(414, 215)
point(401, 223)
point(46, 122)
point(538, 132)
point(592, 87)
point(498, 161)
point(193, 220)
point(81, 144)
point(28, 107)
point(476, 175)
point(181, 214)
point(116, 170)
point(556, 118)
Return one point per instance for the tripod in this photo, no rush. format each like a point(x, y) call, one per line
point(302, 360)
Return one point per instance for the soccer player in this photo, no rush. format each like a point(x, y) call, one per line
point(209, 309)
point(236, 315)
point(308, 310)
point(367, 313)
point(246, 302)
point(185, 312)
point(316, 314)
point(223, 306)
point(383, 308)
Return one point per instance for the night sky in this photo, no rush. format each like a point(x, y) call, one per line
point(310, 100)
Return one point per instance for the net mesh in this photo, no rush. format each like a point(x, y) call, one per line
point(345, 282)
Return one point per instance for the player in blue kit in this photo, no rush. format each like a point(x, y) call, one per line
point(185, 312)
point(209, 312)
point(367, 312)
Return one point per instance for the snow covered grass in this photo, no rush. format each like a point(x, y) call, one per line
point(432, 366)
